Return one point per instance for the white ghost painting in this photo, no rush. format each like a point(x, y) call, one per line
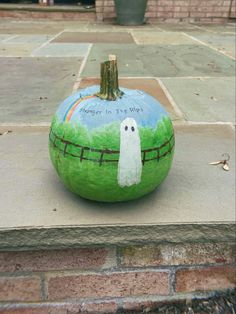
point(130, 160)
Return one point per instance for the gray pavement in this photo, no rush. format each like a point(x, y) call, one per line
point(188, 68)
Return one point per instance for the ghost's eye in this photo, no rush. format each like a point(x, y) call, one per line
point(132, 129)
point(126, 128)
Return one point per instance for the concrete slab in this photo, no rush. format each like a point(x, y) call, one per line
point(111, 26)
point(195, 194)
point(31, 27)
point(62, 50)
point(176, 27)
point(208, 100)
point(30, 30)
point(29, 39)
point(26, 80)
point(219, 28)
point(94, 37)
point(162, 38)
point(4, 37)
point(225, 43)
point(161, 60)
point(18, 50)
point(150, 86)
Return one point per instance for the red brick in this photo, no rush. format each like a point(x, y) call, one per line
point(99, 3)
point(165, 3)
point(155, 2)
point(168, 8)
point(109, 9)
point(220, 9)
point(181, 3)
point(180, 14)
point(49, 15)
point(99, 9)
point(108, 285)
point(170, 254)
point(197, 14)
point(164, 14)
point(214, 278)
point(19, 289)
point(151, 14)
point(109, 15)
point(181, 9)
point(100, 16)
point(152, 9)
point(89, 258)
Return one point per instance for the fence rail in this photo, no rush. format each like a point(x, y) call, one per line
point(53, 137)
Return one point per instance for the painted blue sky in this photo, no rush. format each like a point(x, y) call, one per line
point(95, 113)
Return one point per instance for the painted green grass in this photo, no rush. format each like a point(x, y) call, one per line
point(95, 182)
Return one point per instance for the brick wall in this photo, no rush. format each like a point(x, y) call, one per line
point(233, 9)
point(105, 279)
point(175, 10)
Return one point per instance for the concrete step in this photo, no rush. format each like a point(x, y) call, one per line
point(195, 203)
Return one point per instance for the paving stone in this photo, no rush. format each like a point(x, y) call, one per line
point(176, 27)
point(94, 37)
point(62, 50)
point(161, 61)
point(26, 80)
point(18, 50)
point(4, 37)
point(29, 39)
point(219, 28)
point(194, 191)
point(225, 43)
point(111, 26)
point(31, 29)
point(209, 99)
point(162, 38)
point(150, 86)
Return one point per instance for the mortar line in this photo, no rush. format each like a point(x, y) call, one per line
point(46, 43)
point(171, 100)
point(206, 30)
point(43, 291)
point(172, 281)
point(209, 46)
point(134, 38)
point(82, 66)
point(169, 269)
point(10, 38)
point(179, 296)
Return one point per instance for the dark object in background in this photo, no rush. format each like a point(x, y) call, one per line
point(130, 12)
point(87, 2)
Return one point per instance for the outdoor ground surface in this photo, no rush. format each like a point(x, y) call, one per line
point(189, 68)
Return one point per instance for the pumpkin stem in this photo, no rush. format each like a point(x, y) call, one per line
point(109, 85)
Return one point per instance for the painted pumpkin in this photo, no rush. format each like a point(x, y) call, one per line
point(111, 144)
